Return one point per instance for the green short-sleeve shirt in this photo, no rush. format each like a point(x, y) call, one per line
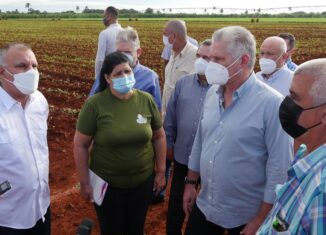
point(122, 152)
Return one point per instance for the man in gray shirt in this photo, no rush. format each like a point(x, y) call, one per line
point(240, 150)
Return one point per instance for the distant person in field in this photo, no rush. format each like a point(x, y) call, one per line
point(300, 206)
point(273, 69)
point(124, 126)
point(127, 41)
point(107, 38)
point(24, 153)
point(180, 125)
point(167, 50)
point(240, 151)
point(290, 48)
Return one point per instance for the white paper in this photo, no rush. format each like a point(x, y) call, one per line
point(99, 187)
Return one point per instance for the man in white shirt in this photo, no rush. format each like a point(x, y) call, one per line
point(167, 50)
point(24, 155)
point(182, 59)
point(107, 38)
point(274, 71)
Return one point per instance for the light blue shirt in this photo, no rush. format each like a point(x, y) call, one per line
point(146, 80)
point(280, 80)
point(292, 66)
point(182, 116)
point(241, 153)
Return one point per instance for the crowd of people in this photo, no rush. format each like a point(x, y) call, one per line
point(247, 150)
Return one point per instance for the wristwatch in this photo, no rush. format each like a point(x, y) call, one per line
point(188, 181)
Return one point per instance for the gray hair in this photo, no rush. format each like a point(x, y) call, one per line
point(129, 35)
point(3, 51)
point(178, 27)
point(240, 41)
point(316, 69)
point(207, 42)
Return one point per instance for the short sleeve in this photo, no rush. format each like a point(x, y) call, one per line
point(86, 123)
point(156, 122)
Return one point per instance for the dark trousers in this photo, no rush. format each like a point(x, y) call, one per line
point(40, 228)
point(123, 211)
point(175, 216)
point(197, 225)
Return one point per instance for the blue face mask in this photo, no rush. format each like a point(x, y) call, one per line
point(124, 84)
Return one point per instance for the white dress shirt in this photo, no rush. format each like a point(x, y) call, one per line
point(178, 66)
point(280, 80)
point(106, 45)
point(24, 160)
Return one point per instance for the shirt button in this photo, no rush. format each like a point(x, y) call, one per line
point(221, 123)
point(195, 123)
point(193, 135)
point(209, 197)
point(215, 141)
point(210, 161)
point(209, 180)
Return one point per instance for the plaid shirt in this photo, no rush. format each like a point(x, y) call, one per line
point(301, 201)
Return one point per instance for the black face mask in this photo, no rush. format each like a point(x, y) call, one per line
point(289, 114)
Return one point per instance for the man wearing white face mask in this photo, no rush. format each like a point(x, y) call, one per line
point(181, 61)
point(240, 150)
point(25, 203)
point(274, 71)
point(128, 42)
point(180, 125)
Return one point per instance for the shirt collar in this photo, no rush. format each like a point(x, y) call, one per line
point(241, 91)
point(6, 99)
point(199, 82)
point(184, 51)
point(137, 68)
point(276, 74)
point(303, 163)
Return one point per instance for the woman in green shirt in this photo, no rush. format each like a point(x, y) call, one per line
point(123, 127)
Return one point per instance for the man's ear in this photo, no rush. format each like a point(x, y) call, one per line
point(138, 51)
point(245, 60)
point(2, 70)
point(323, 118)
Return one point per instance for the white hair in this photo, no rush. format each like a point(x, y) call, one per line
point(129, 35)
point(316, 69)
point(239, 41)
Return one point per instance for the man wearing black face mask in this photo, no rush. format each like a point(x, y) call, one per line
point(107, 38)
point(300, 206)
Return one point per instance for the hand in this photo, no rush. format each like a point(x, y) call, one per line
point(252, 227)
point(86, 191)
point(159, 182)
point(189, 197)
point(170, 154)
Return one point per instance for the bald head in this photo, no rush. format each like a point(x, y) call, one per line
point(277, 44)
point(315, 72)
point(176, 26)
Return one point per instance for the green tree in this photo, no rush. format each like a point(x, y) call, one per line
point(149, 11)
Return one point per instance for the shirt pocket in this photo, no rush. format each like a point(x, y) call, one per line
point(8, 136)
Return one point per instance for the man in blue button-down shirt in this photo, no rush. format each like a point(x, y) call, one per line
point(290, 43)
point(146, 79)
point(240, 150)
point(180, 125)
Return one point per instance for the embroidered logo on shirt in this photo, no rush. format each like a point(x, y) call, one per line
point(140, 119)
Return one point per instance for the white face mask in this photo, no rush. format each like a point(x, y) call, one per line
point(268, 66)
point(166, 41)
point(200, 66)
point(26, 82)
point(131, 59)
point(219, 74)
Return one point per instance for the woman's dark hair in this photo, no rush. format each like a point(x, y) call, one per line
point(110, 61)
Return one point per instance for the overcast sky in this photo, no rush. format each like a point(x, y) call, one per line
point(65, 5)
